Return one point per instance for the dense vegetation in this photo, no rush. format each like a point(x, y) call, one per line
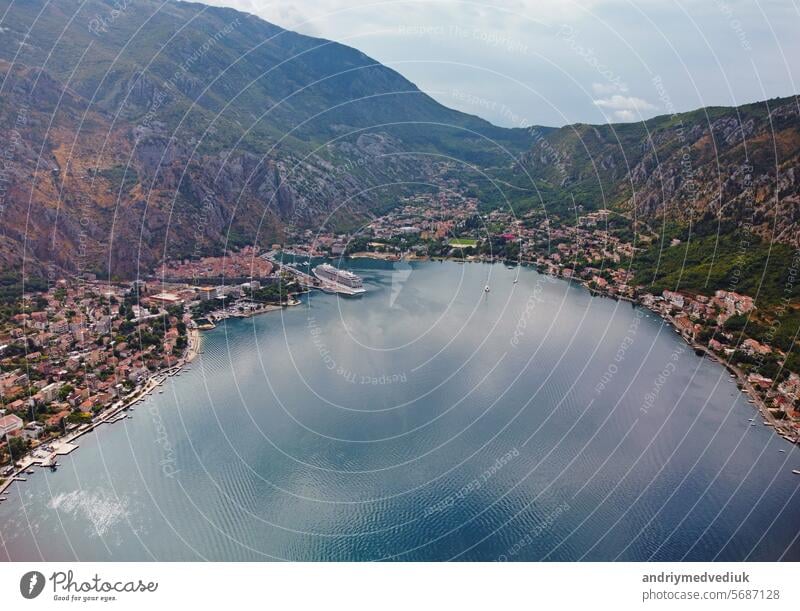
point(731, 261)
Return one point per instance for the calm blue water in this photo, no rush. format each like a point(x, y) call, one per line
point(427, 420)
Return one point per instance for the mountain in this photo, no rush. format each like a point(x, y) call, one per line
point(718, 167)
point(157, 129)
point(137, 131)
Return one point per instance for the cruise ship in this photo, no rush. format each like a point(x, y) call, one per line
point(344, 279)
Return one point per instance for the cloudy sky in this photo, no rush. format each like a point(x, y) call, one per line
point(554, 62)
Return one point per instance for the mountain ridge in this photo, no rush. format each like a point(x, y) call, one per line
point(163, 114)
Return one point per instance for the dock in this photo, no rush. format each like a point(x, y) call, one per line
point(46, 456)
point(313, 282)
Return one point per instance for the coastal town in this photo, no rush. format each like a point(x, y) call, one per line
point(81, 353)
point(597, 250)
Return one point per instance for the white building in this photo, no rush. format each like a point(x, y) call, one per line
point(9, 424)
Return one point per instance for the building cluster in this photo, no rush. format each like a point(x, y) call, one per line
point(407, 228)
point(76, 349)
point(246, 263)
point(79, 347)
point(429, 216)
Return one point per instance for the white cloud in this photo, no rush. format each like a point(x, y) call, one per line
point(513, 52)
point(625, 115)
point(624, 102)
point(623, 107)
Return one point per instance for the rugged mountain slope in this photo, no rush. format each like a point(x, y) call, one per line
point(219, 61)
point(134, 131)
point(176, 128)
point(723, 167)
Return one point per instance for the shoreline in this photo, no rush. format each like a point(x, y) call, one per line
point(61, 446)
point(220, 315)
point(742, 384)
point(46, 455)
point(64, 445)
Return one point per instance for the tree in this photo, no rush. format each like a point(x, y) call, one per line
point(18, 446)
point(735, 323)
point(65, 392)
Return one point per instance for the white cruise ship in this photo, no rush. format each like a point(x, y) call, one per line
point(343, 278)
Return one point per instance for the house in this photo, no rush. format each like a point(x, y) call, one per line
point(56, 419)
point(715, 345)
point(33, 430)
point(734, 303)
point(50, 392)
point(600, 281)
point(684, 325)
point(166, 299)
point(752, 347)
point(759, 381)
point(207, 293)
point(9, 424)
point(674, 298)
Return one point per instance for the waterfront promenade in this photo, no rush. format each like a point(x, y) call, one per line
point(46, 456)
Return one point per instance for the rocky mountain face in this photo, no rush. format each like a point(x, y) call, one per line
point(144, 130)
point(733, 166)
point(137, 131)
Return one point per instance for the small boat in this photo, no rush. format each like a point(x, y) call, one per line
point(515, 280)
point(30, 471)
point(796, 471)
point(486, 289)
point(782, 451)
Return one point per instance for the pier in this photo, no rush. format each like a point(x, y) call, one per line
point(312, 282)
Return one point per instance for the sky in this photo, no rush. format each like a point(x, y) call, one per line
point(557, 62)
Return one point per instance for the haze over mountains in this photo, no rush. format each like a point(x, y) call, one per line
point(138, 131)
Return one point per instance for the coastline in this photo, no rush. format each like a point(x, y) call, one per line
point(754, 397)
point(46, 455)
point(741, 382)
point(64, 445)
point(740, 376)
